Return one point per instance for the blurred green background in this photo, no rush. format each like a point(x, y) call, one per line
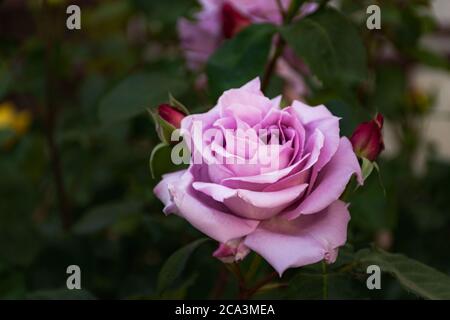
point(75, 142)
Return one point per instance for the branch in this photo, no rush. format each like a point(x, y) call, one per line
point(220, 285)
point(51, 84)
point(249, 293)
point(279, 47)
point(270, 68)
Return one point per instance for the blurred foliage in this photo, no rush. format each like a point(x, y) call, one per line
point(75, 187)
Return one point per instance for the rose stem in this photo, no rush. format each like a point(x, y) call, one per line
point(249, 293)
point(220, 285)
point(280, 43)
point(256, 262)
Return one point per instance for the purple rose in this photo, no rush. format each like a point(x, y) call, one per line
point(286, 209)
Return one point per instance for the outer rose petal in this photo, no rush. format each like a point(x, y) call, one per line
point(204, 215)
point(306, 240)
point(253, 86)
point(162, 190)
point(265, 179)
point(251, 204)
point(321, 118)
point(331, 181)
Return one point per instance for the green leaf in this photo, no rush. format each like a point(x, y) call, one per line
point(430, 58)
point(240, 59)
point(181, 290)
point(104, 216)
point(162, 127)
point(391, 83)
point(177, 104)
point(331, 47)
point(366, 168)
point(350, 115)
point(6, 135)
point(160, 160)
point(136, 93)
point(13, 285)
point(174, 266)
point(414, 276)
point(308, 285)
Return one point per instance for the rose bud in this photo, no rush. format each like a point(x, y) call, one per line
point(167, 118)
point(233, 251)
point(367, 140)
point(171, 115)
point(232, 21)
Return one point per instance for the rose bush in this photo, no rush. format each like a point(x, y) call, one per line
point(288, 212)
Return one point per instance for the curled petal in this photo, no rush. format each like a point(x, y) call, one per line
point(320, 118)
point(162, 190)
point(331, 182)
point(251, 204)
point(204, 213)
point(306, 240)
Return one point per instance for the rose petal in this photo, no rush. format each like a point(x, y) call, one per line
point(162, 190)
point(306, 240)
point(205, 214)
point(251, 204)
point(261, 181)
point(320, 118)
point(313, 147)
point(331, 181)
point(253, 86)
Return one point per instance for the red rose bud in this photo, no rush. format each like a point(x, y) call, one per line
point(171, 115)
point(232, 21)
point(367, 140)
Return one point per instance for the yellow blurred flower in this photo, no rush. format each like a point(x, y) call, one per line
point(16, 121)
